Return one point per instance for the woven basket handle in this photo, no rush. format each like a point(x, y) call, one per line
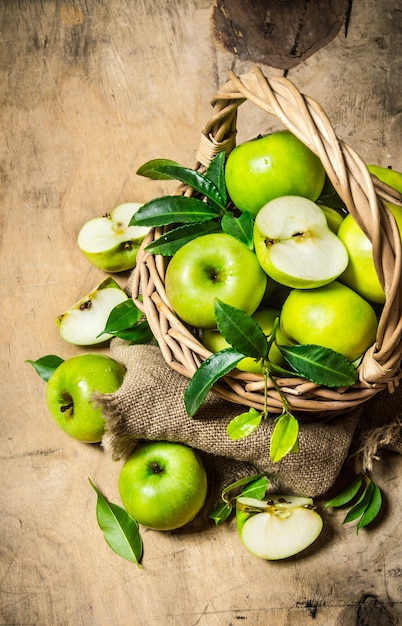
point(363, 194)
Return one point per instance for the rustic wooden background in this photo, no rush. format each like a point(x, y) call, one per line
point(89, 91)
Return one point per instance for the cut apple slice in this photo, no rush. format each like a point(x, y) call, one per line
point(109, 242)
point(84, 321)
point(278, 527)
point(294, 244)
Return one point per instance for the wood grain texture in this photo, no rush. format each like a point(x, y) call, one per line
point(91, 90)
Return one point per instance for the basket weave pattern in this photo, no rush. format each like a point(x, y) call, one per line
point(364, 196)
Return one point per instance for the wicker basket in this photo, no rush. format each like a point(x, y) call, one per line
point(364, 197)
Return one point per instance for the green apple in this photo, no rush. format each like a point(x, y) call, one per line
point(278, 527)
point(333, 316)
point(109, 242)
point(391, 177)
point(70, 390)
point(294, 244)
point(209, 267)
point(83, 323)
point(275, 165)
point(334, 217)
point(265, 318)
point(163, 485)
point(360, 273)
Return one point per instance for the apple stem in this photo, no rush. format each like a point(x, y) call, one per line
point(155, 467)
point(66, 407)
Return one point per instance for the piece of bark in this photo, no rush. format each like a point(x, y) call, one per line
point(278, 33)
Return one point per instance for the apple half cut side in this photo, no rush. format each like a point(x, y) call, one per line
point(109, 242)
point(294, 244)
point(83, 323)
point(278, 527)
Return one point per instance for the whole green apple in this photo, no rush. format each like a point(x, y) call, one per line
point(109, 242)
point(265, 318)
point(333, 316)
point(275, 165)
point(209, 267)
point(278, 527)
point(70, 389)
point(163, 485)
point(294, 244)
point(360, 273)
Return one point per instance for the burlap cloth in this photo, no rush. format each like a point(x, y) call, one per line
point(150, 406)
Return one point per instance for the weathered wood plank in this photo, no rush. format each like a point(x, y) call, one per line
point(90, 90)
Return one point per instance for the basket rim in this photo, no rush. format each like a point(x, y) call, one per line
point(365, 198)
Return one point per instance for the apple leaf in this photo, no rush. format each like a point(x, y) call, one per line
point(124, 322)
point(170, 242)
point(284, 439)
point(120, 530)
point(346, 495)
point(239, 227)
point(244, 424)
point(241, 331)
point(174, 210)
point(322, 366)
point(213, 368)
point(154, 169)
point(257, 489)
point(164, 169)
point(123, 316)
point(46, 365)
point(221, 512)
point(372, 509)
point(216, 173)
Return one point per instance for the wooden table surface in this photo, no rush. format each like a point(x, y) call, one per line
point(89, 91)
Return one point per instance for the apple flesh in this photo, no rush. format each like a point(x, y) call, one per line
point(268, 167)
point(163, 485)
point(279, 527)
point(333, 316)
point(265, 318)
point(83, 323)
point(209, 267)
point(70, 389)
point(109, 242)
point(294, 244)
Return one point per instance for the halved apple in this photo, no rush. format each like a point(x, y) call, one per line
point(278, 527)
point(294, 244)
point(83, 323)
point(109, 242)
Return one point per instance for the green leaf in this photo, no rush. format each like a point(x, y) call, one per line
point(158, 168)
point(322, 366)
point(372, 509)
point(361, 505)
point(213, 368)
point(246, 480)
point(123, 316)
point(173, 210)
point(346, 495)
point(241, 331)
point(216, 173)
point(169, 243)
point(244, 424)
point(284, 437)
point(239, 227)
point(154, 169)
point(220, 512)
point(257, 489)
point(139, 334)
point(46, 365)
point(120, 530)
